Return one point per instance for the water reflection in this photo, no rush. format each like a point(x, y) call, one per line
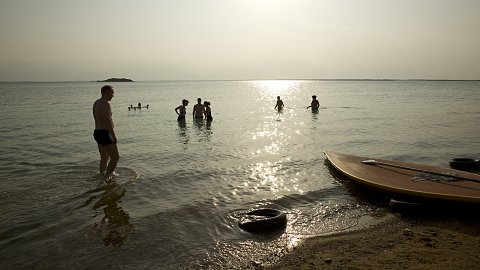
point(314, 115)
point(114, 227)
point(266, 174)
point(275, 88)
point(183, 132)
point(199, 123)
point(203, 128)
point(269, 91)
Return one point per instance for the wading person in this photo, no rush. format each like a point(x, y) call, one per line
point(208, 111)
point(315, 104)
point(198, 109)
point(104, 134)
point(279, 105)
point(182, 110)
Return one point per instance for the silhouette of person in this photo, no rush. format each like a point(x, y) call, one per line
point(208, 111)
point(139, 105)
point(182, 110)
point(198, 109)
point(279, 106)
point(104, 134)
point(315, 104)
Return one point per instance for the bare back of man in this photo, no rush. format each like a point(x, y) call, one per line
point(104, 134)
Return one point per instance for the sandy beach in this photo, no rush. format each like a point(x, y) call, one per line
point(429, 239)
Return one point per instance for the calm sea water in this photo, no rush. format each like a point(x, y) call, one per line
point(181, 188)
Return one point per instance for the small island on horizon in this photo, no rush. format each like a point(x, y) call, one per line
point(116, 80)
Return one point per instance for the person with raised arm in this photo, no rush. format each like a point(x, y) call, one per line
point(182, 110)
point(279, 106)
point(315, 104)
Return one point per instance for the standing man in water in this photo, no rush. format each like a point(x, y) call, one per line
point(104, 134)
point(279, 105)
point(198, 109)
point(315, 104)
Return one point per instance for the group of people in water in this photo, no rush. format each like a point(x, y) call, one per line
point(105, 137)
point(139, 106)
point(315, 105)
point(199, 110)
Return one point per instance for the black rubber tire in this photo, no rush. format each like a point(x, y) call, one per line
point(263, 220)
point(465, 164)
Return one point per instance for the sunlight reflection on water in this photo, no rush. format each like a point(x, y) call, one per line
point(273, 88)
point(195, 174)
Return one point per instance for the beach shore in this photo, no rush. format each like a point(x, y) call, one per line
point(400, 242)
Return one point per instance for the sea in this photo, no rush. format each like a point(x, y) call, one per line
point(181, 188)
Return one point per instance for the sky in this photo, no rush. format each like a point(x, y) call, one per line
point(66, 40)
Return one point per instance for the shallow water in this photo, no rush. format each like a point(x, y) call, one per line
point(181, 187)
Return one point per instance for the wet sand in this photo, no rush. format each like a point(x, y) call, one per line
point(429, 239)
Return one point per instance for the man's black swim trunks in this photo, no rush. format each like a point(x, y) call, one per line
point(102, 137)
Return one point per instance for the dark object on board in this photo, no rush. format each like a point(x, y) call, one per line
point(465, 164)
point(409, 181)
point(263, 220)
point(405, 206)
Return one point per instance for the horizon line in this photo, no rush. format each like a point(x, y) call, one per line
point(177, 80)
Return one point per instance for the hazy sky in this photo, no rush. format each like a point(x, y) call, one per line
point(64, 40)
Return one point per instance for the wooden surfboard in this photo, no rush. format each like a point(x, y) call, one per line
point(409, 180)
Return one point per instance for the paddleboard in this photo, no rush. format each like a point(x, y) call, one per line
point(409, 180)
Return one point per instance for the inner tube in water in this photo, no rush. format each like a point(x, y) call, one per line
point(465, 164)
point(263, 220)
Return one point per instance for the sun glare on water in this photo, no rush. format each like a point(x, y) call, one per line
point(276, 87)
